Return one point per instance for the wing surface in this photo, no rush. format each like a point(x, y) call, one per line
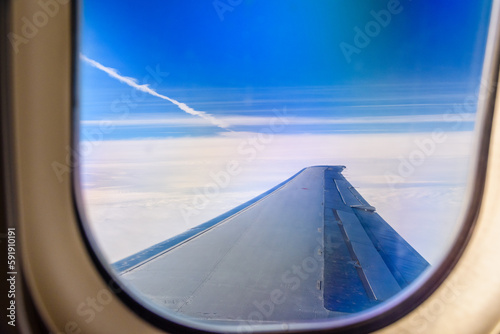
point(310, 248)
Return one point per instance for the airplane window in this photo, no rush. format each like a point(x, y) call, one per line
point(264, 164)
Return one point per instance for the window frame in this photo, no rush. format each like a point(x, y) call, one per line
point(50, 216)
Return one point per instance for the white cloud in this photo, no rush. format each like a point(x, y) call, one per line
point(231, 121)
point(134, 189)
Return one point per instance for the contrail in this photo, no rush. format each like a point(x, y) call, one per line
point(145, 88)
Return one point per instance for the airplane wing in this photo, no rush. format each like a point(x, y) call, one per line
point(309, 248)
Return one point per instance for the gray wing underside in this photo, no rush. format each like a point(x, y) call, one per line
point(310, 248)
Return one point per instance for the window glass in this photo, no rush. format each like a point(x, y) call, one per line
point(265, 162)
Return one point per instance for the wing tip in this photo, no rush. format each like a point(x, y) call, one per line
point(338, 168)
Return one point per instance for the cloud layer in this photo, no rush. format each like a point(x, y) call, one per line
point(135, 191)
point(292, 120)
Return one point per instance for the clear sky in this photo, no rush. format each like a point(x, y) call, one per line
point(267, 54)
point(384, 71)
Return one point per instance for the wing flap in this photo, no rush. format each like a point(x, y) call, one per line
point(379, 277)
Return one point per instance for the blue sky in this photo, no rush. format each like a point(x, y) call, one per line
point(281, 54)
point(283, 42)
